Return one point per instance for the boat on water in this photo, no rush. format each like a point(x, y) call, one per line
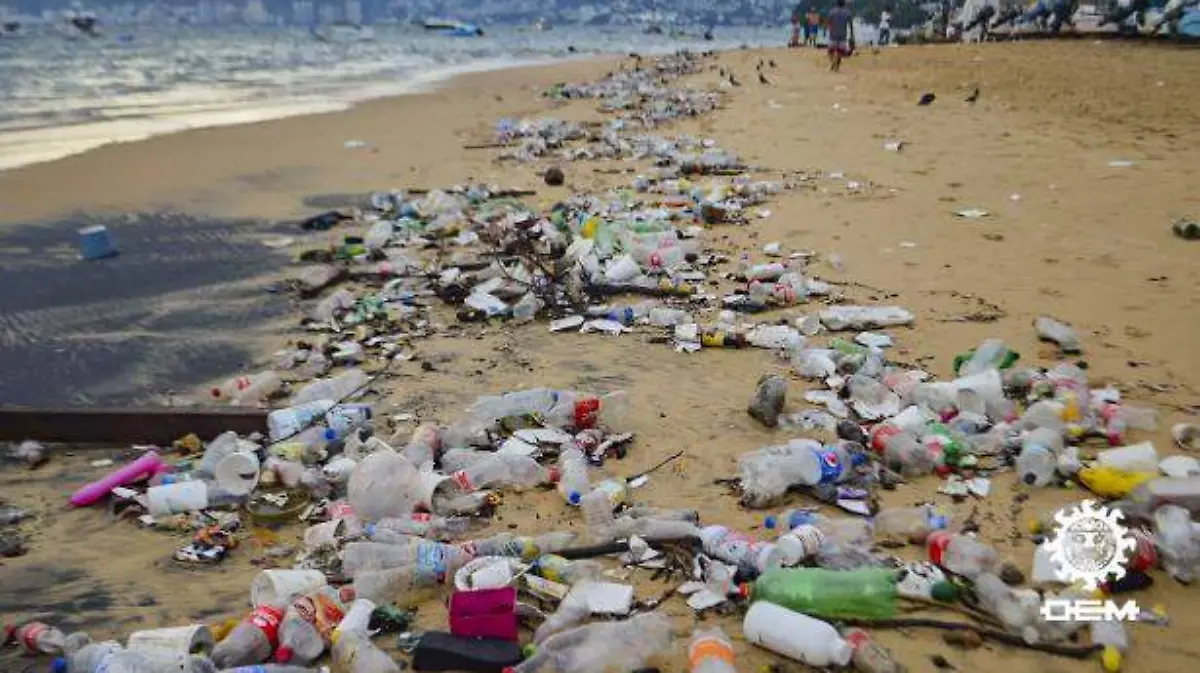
point(452, 27)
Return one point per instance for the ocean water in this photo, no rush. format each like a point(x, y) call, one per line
point(61, 94)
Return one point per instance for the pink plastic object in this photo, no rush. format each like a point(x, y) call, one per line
point(146, 466)
point(486, 613)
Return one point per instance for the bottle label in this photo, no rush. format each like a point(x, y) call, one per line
point(881, 436)
point(322, 612)
point(29, 634)
point(431, 563)
point(587, 411)
point(464, 481)
point(553, 567)
point(710, 649)
point(936, 544)
point(266, 618)
point(831, 466)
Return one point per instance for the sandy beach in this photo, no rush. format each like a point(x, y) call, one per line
point(1067, 233)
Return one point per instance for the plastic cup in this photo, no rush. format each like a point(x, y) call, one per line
point(191, 639)
point(488, 572)
point(323, 534)
point(430, 482)
point(238, 473)
point(184, 496)
point(275, 587)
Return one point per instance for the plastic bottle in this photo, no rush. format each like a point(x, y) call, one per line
point(137, 661)
point(961, 554)
point(384, 484)
point(308, 625)
point(1019, 613)
point(38, 638)
point(332, 389)
point(864, 317)
point(1176, 542)
point(623, 645)
point(597, 511)
point(573, 475)
point(248, 389)
point(291, 421)
point(84, 656)
point(796, 636)
point(797, 545)
point(767, 473)
point(870, 656)
point(866, 593)
point(253, 641)
point(558, 569)
point(438, 559)
point(1184, 492)
point(745, 551)
point(408, 584)
point(273, 668)
point(1112, 637)
point(711, 652)
point(1049, 329)
point(353, 651)
point(509, 470)
point(910, 522)
point(420, 524)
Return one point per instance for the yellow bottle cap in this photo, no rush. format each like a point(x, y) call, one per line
point(1111, 659)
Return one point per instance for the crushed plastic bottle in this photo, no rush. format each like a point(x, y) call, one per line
point(602, 646)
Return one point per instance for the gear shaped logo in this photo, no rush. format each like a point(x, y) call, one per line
point(1090, 544)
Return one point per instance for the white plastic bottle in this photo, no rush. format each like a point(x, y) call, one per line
point(796, 636)
point(290, 421)
point(572, 474)
point(740, 549)
point(711, 652)
point(910, 522)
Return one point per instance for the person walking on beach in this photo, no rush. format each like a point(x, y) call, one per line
point(885, 26)
point(812, 23)
point(797, 18)
point(840, 34)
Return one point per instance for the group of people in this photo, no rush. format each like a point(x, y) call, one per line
point(839, 30)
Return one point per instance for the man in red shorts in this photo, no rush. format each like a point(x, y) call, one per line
point(840, 34)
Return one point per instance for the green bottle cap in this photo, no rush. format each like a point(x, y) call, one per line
point(945, 592)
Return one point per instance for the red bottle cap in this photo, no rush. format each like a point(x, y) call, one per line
point(283, 654)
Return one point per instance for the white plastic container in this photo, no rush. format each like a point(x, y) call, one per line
point(1139, 457)
point(177, 498)
point(796, 636)
point(192, 639)
point(622, 269)
point(275, 587)
point(238, 473)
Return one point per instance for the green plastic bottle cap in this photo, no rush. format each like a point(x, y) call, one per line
point(945, 592)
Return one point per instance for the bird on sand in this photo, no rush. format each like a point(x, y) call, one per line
point(926, 99)
point(974, 96)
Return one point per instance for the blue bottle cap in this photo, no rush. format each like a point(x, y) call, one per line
point(573, 497)
point(369, 529)
point(330, 435)
point(770, 522)
point(59, 665)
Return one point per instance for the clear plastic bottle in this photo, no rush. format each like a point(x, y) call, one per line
point(870, 656)
point(353, 651)
point(384, 484)
point(767, 473)
point(332, 389)
point(1018, 614)
point(910, 522)
point(1176, 542)
point(406, 584)
point(250, 389)
point(38, 638)
point(961, 554)
point(502, 470)
point(308, 625)
point(253, 641)
point(439, 558)
point(422, 449)
point(572, 474)
point(711, 652)
point(83, 655)
point(602, 646)
point(1038, 460)
point(558, 569)
point(291, 421)
point(136, 661)
point(598, 515)
point(748, 553)
point(421, 524)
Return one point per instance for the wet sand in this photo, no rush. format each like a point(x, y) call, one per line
point(1085, 241)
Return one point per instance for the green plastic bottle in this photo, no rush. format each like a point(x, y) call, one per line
point(831, 594)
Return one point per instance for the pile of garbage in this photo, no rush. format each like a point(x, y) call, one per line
point(392, 517)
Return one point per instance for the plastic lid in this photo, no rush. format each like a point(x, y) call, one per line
point(944, 591)
point(555, 475)
point(744, 590)
point(330, 435)
point(283, 654)
point(59, 665)
point(770, 522)
point(216, 392)
point(369, 529)
point(574, 497)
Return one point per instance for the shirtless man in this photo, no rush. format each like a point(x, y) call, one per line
point(840, 34)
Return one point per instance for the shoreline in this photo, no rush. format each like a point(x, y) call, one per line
point(1084, 241)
